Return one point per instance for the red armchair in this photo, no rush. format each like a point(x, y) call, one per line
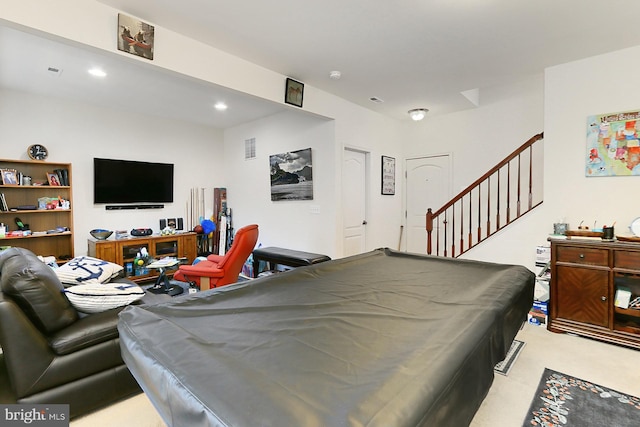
point(218, 270)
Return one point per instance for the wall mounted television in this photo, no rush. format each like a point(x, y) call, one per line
point(128, 181)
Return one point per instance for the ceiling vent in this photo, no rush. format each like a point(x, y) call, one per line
point(249, 148)
point(55, 72)
point(376, 100)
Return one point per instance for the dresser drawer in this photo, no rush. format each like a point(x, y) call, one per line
point(588, 256)
point(626, 259)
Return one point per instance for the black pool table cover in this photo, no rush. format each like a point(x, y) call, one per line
point(379, 339)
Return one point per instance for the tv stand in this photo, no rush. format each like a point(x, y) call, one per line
point(123, 252)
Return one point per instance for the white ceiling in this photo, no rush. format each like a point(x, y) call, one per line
point(409, 53)
point(130, 85)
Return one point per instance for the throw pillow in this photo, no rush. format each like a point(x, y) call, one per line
point(85, 270)
point(94, 298)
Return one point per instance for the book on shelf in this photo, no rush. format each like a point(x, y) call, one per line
point(63, 176)
point(3, 203)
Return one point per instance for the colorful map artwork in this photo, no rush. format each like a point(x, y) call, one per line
point(613, 148)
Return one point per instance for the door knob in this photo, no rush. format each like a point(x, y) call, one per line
point(603, 298)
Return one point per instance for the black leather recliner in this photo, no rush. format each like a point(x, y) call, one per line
point(53, 353)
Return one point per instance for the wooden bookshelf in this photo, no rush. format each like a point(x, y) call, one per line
point(43, 223)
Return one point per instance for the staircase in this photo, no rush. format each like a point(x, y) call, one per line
point(502, 195)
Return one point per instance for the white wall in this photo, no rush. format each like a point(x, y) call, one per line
point(283, 223)
point(75, 133)
point(602, 84)
point(572, 92)
point(477, 140)
point(376, 135)
point(296, 224)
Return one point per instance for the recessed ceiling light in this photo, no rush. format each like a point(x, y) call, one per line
point(220, 106)
point(97, 72)
point(335, 75)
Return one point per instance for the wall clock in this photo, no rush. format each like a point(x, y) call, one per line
point(635, 227)
point(37, 152)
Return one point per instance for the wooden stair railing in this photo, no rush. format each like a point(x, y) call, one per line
point(486, 206)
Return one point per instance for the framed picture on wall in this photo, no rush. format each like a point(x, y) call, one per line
point(294, 93)
point(613, 144)
point(291, 175)
point(135, 37)
point(388, 175)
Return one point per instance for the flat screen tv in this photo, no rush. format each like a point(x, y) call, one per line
point(128, 181)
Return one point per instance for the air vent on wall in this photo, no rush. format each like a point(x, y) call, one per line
point(55, 72)
point(250, 148)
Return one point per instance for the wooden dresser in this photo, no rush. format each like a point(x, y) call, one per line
point(585, 275)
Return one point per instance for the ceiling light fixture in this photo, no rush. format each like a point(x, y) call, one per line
point(335, 75)
point(418, 114)
point(96, 72)
point(220, 106)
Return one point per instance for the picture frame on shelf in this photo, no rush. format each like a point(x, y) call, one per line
point(388, 176)
point(9, 177)
point(294, 92)
point(53, 180)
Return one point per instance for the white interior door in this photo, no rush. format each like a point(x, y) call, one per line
point(354, 171)
point(427, 186)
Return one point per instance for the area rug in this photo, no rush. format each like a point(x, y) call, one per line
point(505, 366)
point(564, 401)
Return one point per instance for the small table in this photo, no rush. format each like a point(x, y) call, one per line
point(162, 285)
point(288, 257)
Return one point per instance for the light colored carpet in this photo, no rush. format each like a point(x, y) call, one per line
point(509, 398)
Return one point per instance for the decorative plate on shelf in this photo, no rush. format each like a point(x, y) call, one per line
point(635, 227)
